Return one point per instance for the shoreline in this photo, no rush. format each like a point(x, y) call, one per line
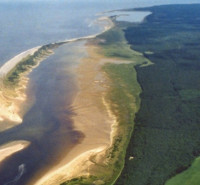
point(10, 64)
point(91, 110)
point(10, 148)
point(10, 105)
point(88, 100)
point(93, 117)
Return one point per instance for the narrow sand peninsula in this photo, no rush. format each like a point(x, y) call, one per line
point(92, 117)
point(9, 65)
point(11, 148)
point(10, 99)
point(106, 24)
point(10, 108)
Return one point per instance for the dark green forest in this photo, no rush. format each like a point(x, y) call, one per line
point(166, 137)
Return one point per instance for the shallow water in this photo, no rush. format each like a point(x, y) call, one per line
point(30, 23)
point(47, 125)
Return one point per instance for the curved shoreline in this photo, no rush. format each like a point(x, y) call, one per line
point(10, 64)
point(9, 109)
point(10, 148)
point(102, 111)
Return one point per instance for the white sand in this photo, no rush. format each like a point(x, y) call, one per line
point(9, 65)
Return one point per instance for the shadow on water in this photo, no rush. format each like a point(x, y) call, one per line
point(47, 125)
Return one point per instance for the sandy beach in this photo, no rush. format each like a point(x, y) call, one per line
point(9, 65)
point(10, 102)
point(10, 148)
point(92, 116)
point(11, 99)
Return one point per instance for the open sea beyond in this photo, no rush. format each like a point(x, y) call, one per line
point(47, 124)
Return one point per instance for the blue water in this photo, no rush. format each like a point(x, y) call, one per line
point(28, 23)
point(47, 124)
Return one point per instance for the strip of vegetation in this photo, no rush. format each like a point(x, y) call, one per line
point(123, 97)
point(13, 77)
point(81, 180)
point(166, 135)
point(114, 45)
point(125, 102)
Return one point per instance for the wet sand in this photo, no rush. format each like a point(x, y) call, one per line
point(11, 100)
point(92, 116)
point(10, 148)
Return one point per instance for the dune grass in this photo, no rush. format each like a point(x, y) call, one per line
point(12, 78)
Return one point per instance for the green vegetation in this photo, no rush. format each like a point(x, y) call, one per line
point(81, 180)
point(189, 177)
point(124, 100)
point(166, 137)
point(114, 45)
point(13, 77)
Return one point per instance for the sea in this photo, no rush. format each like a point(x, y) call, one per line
point(25, 24)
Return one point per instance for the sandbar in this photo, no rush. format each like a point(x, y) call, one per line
point(10, 148)
point(92, 116)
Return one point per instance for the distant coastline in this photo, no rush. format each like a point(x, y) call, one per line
point(93, 106)
point(105, 152)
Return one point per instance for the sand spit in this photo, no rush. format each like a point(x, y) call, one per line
point(92, 117)
point(107, 25)
point(9, 106)
point(10, 148)
point(10, 99)
point(9, 65)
